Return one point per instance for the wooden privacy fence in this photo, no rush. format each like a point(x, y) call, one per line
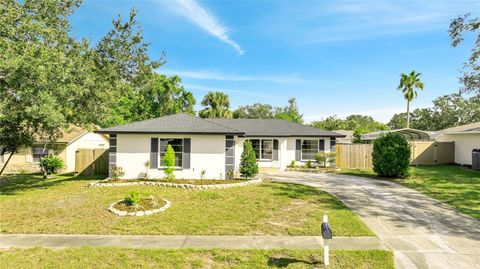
point(359, 156)
point(90, 162)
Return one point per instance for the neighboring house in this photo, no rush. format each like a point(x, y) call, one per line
point(27, 160)
point(408, 133)
point(213, 145)
point(348, 136)
point(465, 137)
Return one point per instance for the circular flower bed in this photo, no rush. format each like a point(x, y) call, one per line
point(217, 185)
point(145, 206)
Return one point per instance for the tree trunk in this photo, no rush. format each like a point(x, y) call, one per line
point(8, 160)
point(408, 114)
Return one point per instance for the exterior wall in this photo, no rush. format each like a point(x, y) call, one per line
point(22, 161)
point(286, 151)
point(464, 144)
point(86, 141)
point(207, 153)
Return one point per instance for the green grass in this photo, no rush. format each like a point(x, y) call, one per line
point(64, 205)
point(456, 186)
point(190, 258)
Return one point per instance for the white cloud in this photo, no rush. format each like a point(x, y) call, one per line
point(213, 75)
point(198, 15)
point(227, 90)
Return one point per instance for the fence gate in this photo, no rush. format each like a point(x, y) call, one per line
point(90, 162)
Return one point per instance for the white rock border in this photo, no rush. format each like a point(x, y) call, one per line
point(176, 185)
point(140, 213)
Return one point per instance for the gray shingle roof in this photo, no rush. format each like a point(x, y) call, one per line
point(273, 127)
point(186, 123)
point(179, 123)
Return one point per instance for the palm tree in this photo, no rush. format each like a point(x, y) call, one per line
point(217, 105)
point(408, 85)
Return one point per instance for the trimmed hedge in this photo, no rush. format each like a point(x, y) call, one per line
point(391, 156)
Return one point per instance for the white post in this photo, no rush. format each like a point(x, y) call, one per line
point(326, 256)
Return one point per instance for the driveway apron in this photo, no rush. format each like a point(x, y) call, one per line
point(421, 231)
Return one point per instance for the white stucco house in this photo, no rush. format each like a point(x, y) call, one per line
point(213, 145)
point(466, 138)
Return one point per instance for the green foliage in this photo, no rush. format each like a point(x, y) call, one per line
point(217, 105)
point(391, 156)
point(308, 164)
point(332, 158)
point(169, 163)
point(471, 68)
point(52, 164)
point(117, 172)
point(132, 198)
point(359, 123)
point(255, 111)
point(447, 111)
point(293, 164)
point(248, 161)
point(230, 174)
point(321, 159)
point(289, 112)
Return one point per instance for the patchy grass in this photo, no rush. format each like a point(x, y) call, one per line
point(146, 203)
point(456, 186)
point(87, 257)
point(64, 205)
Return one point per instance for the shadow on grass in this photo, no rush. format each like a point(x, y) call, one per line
point(285, 262)
point(11, 185)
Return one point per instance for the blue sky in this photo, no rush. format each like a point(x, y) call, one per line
point(335, 57)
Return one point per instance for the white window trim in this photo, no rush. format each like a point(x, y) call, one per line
point(301, 150)
point(260, 149)
point(160, 153)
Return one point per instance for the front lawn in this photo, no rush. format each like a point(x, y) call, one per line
point(64, 205)
point(456, 186)
point(190, 258)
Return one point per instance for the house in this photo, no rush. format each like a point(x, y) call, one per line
point(409, 133)
point(348, 136)
point(465, 137)
point(27, 160)
point(212, 145)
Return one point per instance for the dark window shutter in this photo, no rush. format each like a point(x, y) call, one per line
point(186, 153)
point(321, 145)
point(275, 149)
point(154, 153)
point(298, 150)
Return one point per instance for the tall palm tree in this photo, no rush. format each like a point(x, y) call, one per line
point(217, 105)
point(408, 85)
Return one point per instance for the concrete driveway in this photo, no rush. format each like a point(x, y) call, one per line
point(422, 232)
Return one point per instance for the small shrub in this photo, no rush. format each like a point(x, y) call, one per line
point(117, 172)
point(391, 156)
point(293, 164)
point(248, 162)
point(332, 158)
point(52, 164)
point(321, 159)
point(202, 174)
point(147, 166)
point(133, 198)
point(230, 174)
point(309, 165)
point(169, 163)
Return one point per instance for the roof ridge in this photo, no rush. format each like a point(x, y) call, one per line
point(221, 125)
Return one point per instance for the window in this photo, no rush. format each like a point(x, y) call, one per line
point(39, 152)
point(263, 148)
point(309, 149)
point(333, 142)
point(177, 145)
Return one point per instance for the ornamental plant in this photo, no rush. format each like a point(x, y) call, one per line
point(248, 161)
point(133, 198)
point(321, 159)
point(52, 164)
point(169, 163)
point(391, 156)
point(117, 172)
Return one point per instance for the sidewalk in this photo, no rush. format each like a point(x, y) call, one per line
point(208, 242)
